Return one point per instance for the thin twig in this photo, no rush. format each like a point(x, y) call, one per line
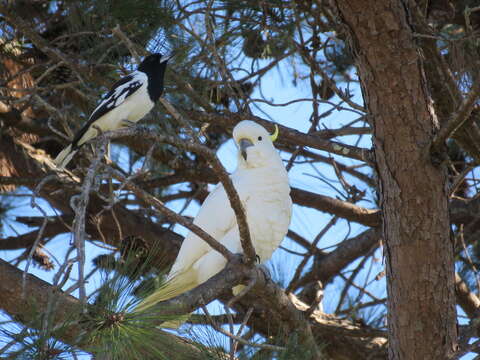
point(311, 251)
point(459, 180)
point(239, 339)
point(180, 119)
point(458, 118)
point(80, 209)
point(128, 43)
point(34, 204)
point(243, 324)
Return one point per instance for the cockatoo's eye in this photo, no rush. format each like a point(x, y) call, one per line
point(259, 138)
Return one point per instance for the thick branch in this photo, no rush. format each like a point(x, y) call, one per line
point(38, 292)
point(345, 253)
point(282, 311)
point(343, 209)
point(337, 207)
point(326, 267)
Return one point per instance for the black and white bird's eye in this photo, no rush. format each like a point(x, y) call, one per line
point(260, 138)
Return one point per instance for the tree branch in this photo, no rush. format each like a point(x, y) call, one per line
point(325, 267)
point(468, 301)
point(287, 135)
point(101, 224)
point(458, 119)
point(38, 293)
point(337, 207)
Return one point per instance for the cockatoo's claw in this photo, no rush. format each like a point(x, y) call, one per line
point(265, 271)
point(242, 259)
point(238, 259)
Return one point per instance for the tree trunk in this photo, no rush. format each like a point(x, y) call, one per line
point(421, 302)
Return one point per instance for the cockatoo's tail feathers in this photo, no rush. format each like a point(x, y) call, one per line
point(172, 287)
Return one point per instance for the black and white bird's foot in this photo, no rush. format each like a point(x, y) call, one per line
point(128, 123)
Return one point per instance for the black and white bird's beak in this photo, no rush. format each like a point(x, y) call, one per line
point(244, 144)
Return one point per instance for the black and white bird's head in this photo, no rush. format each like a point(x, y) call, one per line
point(154, 66)
point(255, 145)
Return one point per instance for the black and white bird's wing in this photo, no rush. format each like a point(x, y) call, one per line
point(120, 91)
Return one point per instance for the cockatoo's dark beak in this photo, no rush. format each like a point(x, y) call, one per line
point(244, 144)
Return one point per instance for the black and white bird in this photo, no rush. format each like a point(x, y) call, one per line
point(128, 101)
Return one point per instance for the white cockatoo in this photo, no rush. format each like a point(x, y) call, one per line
point(261, 181)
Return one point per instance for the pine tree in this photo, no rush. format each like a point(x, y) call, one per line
point(378, 114)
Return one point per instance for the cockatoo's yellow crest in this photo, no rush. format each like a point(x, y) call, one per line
point(274, 136)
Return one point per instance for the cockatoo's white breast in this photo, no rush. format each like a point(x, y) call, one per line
point(265, 194)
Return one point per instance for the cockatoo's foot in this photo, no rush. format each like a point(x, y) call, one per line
point(265, 271)
point(242, 259)
point(238, 259)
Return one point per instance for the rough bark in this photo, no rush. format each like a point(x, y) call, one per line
point(421, 306)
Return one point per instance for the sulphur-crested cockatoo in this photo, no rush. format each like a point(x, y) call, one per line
point(262, 184)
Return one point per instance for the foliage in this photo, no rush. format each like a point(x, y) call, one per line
point(287, 62)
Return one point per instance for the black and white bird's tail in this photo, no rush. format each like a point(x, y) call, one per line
point(65, 156)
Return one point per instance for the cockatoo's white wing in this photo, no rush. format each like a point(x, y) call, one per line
point(212, 262)
point(216, 218)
